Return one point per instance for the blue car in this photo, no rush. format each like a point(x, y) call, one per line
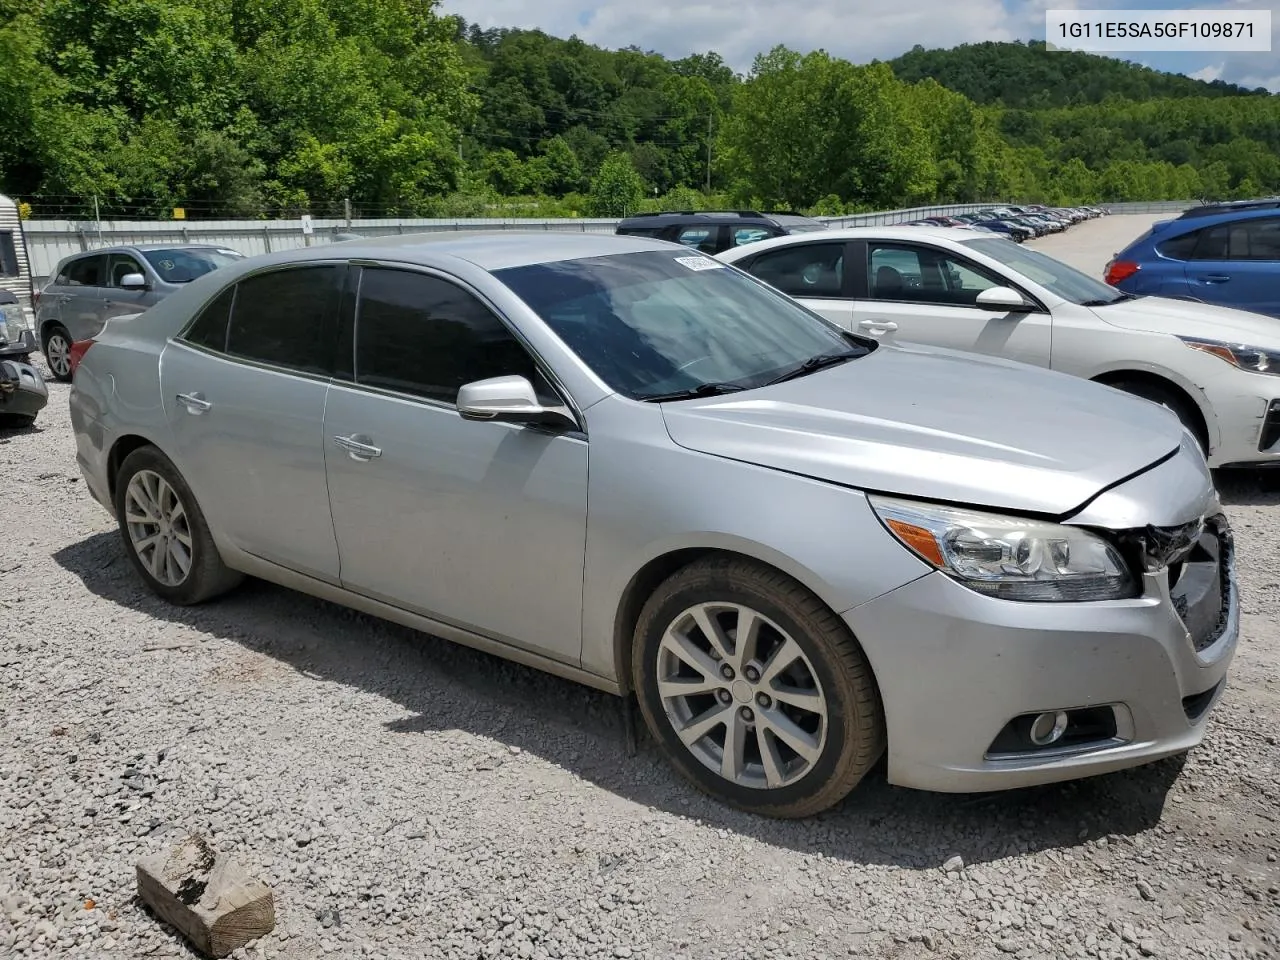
point(1231, 259)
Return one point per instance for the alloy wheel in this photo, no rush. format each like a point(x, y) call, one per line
point(742, 695)
point(158, 527)
point(58, 352)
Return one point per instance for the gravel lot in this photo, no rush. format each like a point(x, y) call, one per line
point(408, 798)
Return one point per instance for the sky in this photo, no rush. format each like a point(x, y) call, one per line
point(858, 30)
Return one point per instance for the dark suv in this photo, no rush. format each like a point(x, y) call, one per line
point(712, 231)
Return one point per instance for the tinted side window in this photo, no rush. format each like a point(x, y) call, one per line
point(86, 272)
point(1263, 239)
point(287, 318)
point(1246, 240)
point(121, 265)
point(805, 270)
point(1179, 248)
point(425, 336)
point(744, 235)
point(210, 328)
point(701, 237)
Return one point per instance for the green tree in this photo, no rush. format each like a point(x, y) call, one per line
point(617, 189)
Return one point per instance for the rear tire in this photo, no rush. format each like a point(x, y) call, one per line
point(57, 353)
point(165, 533)
point(17, 421)
point(784, 690)
point(1171, 399)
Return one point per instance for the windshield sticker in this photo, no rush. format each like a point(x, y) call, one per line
point(699, 263)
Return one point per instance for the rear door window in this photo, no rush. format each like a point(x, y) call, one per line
point(86, 272)
point(288, 318)
point(702, 237)
point(804, 270)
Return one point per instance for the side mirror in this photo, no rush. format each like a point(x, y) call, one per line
point(1002, 298)
point(133, 281)
point(510, 400)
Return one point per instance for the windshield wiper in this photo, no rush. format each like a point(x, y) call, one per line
point(701, 390)
point(817, 363)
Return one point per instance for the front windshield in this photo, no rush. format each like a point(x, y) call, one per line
point(182, 265)
point(656, 323)
point(1054, 275)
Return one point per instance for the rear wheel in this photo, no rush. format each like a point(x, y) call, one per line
point(1171, 399)
point(17, 421)
point(165, 533)
point(57, 352)
point(756, 691)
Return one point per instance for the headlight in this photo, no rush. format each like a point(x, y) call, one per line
point(13, 321)
point(1253, 359)
point(1009, 557)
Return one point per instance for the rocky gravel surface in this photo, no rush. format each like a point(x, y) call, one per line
point(407, 798)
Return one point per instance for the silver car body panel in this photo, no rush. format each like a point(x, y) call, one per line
point(779, 475)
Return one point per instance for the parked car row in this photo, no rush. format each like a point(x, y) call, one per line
point(1015, 223)
point(801, 545)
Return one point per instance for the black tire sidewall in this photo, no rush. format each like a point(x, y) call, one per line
point(653, 623)
point(57, 331)
point(191, 589)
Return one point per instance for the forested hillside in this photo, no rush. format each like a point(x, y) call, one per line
point(1028, 75)
point(279, 107)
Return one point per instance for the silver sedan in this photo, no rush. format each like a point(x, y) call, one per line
point(626, 463)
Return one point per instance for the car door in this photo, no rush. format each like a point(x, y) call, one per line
point(84, 296)
point(921, 293)
point(244, 393)
point(480, 525)
point(813, 273)
point(119, 301)
point(1238, 264)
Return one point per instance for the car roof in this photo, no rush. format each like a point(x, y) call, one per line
point(487, 249)
point(144, 247)
point(1230, 206)
point(904, 232)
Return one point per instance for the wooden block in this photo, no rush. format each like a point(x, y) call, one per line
point(207, 896)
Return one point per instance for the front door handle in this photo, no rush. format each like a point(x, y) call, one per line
point(357, 449)
point(877, 328)
point(194, 403)
point(1215, 278)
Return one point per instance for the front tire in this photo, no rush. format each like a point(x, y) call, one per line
point(165, 533)
point(756, 691)
point(57, 353)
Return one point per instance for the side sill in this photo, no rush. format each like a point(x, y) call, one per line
point(266, 570)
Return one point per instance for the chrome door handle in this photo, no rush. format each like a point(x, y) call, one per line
point(358, 449)
point(194, 403)
point(877, 327)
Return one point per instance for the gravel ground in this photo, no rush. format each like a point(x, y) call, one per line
point(412, 799)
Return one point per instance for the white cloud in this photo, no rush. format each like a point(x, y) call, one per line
point(743, 29)
point(857, 31)
point(1208, 74)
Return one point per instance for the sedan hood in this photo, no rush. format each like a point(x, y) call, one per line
point(938, 425)
point(1191, 318)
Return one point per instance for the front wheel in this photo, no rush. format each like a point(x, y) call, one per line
point(756, 691)
point(165, 533)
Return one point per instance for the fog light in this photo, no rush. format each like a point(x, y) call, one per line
point(1048, 728)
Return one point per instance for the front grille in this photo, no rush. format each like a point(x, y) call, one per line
point(1270, 435)
point(1201, 584)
